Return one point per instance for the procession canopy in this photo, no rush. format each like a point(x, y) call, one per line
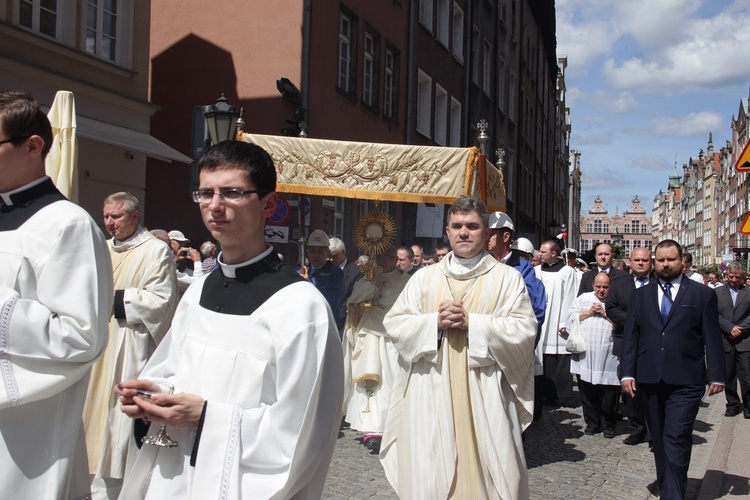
point(383, 172)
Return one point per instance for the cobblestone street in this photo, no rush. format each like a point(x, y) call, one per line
point(563, 462)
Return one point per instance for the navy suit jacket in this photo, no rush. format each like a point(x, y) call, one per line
point(686, 349)
point(617, 303)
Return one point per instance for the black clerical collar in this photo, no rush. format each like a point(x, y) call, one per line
point(245, 271)
point(553, 267)
point(29, 192)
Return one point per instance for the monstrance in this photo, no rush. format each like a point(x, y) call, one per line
point(373, 235)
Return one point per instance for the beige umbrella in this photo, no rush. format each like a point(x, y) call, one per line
point(62, 159)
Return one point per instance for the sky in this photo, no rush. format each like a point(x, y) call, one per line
point(647, 81)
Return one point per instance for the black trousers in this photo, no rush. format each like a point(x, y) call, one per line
point(599, 403)
point(558, 382)
point(670, 414)
point(738, 369)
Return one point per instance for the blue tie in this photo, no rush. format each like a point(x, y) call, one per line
point(641, 281)
point(666, 301)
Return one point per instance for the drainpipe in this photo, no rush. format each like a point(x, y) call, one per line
point(411, 33)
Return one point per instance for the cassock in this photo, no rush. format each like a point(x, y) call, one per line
point(560, 283)
point(460, 400)
point(369, 356)
point(145, 300)
point(55, 298)
point(260, 345)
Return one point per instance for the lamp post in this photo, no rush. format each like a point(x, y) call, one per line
point(221, 120)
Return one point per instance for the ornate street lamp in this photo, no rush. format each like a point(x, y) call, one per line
point(221, 120)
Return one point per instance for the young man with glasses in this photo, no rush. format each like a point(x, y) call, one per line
point(55, 298)
point(253, 356)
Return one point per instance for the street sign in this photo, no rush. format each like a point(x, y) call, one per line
point(277, 234)
point(743, 163)
point(745, 229)
point(281, 213)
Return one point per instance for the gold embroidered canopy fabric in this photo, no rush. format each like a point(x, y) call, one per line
point(385, 172)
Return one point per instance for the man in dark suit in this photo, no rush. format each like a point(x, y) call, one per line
point(617, 305)
point(351, 274)
point(734, 319)
point(671, 350)
point(604, 265)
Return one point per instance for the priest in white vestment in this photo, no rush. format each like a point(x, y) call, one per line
point(145, 300)
point(464, 329)
point(55, 298)
point(253, 357)
point(369, 356)
point(597, 366)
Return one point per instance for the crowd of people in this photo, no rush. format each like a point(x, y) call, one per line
point(222, 371)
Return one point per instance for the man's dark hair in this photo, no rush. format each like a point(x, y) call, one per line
point(442, 247)
point(553, 246)
point(242, 155)
point(21, 117)
point(670, 243)
point(470, 204)
point(408, 251)
point(688, 257)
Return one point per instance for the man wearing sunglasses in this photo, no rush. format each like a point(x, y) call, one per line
point(253, 357)
point(55, 298)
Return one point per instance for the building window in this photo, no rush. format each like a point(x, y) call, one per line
point(441, 115)
point(455, 138)
point(390, 95)
point(424, 103)
point(101, 28)
point(443, 21)
point(486, 68)
point(370, 67)
point(40, 16)
point(458, 33)
point(425, 14)
point(597, 226)
point(501, 92)
point(347, 49)
point(476, 51)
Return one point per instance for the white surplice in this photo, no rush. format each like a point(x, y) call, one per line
point(369, 356)
point(597, 365)
point(273, 382)
point(55, 298)
point(143, 268)
point(561, 287)
point(420, 449)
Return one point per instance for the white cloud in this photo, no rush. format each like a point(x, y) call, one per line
point(706, 53)
point(602, 178)
point(583, 35)
point(574, 96)
point(655, 23)
point(652, 164)
point(591, 138)
point(690, 124)
point(621, 103)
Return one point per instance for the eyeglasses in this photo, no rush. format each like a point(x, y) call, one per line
point(230, 195)
point(12, 139)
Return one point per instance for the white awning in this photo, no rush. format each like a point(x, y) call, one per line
point(99, 131)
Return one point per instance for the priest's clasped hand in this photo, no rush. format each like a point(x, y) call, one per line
point(175, 410)
point(451, 314)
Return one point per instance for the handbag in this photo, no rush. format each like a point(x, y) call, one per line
point(575, 343)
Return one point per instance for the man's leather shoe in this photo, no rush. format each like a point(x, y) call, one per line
point(746, 413)
point(653, 488)
point(732, 412)
point(609, 433)
point(635, 438)
point(590, 431)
